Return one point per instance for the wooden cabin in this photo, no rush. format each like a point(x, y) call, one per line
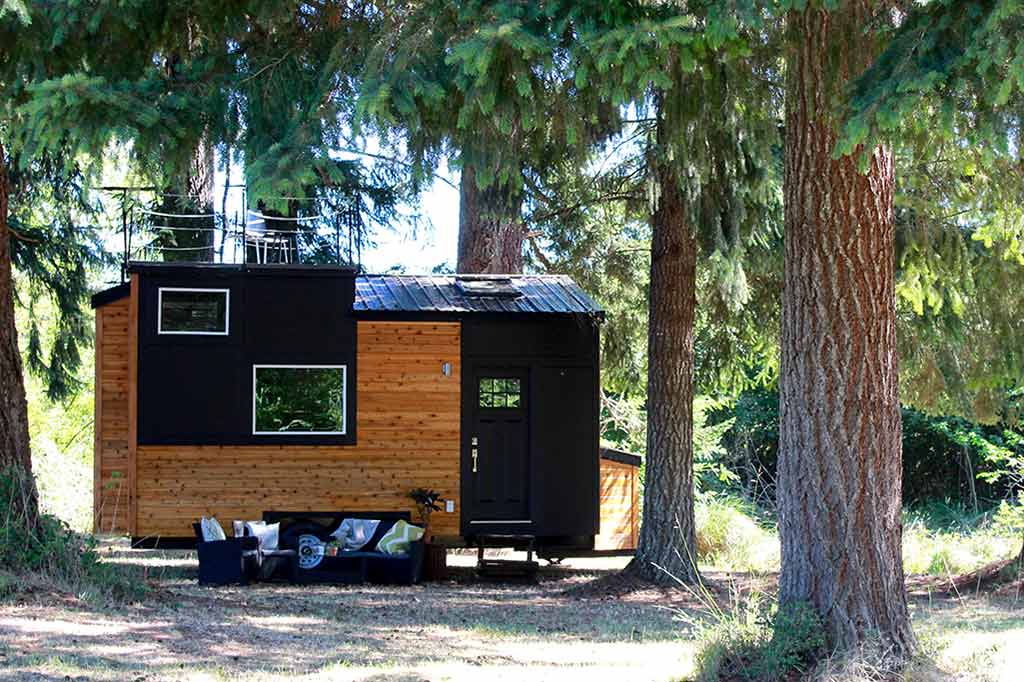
point(238, 389)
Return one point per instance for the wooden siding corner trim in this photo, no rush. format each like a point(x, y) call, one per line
point(133, 401)
point(97, 447)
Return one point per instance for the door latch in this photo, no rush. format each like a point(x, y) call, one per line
point(474, 459)
point(474, 452)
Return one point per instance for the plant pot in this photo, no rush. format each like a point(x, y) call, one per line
point(435, 562)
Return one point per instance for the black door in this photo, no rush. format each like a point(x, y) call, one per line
point(498, 448)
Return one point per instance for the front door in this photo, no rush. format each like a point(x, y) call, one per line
point(498, 448)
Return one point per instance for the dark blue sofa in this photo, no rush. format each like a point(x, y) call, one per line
point(348, 567)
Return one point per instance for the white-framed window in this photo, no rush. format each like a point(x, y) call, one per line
point(305, 400)
point(202, 312)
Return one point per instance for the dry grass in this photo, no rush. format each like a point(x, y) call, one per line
point(458, 630)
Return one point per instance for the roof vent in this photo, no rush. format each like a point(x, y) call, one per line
point(483, 286)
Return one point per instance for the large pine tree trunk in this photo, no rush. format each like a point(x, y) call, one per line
point(15, 454)
point(666, 549)
point(490, 227)
point(191, 239)
point(840, 431)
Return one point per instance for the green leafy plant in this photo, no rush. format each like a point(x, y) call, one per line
point(427, 502)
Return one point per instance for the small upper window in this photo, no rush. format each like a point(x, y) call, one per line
point(500, 393)
point(193, 311)
point(299, 400)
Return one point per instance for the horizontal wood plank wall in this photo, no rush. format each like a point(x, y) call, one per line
point(112, 482)
point(620, 498)
point(407, 421)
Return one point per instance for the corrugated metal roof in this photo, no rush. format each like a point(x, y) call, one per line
point(441, 293)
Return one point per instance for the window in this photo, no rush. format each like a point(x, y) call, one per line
point(193, 311)
point(307, 399)
point(500, 393)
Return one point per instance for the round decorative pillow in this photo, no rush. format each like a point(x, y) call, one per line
point(311, 551)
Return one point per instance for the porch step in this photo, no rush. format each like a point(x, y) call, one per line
point(505, 568)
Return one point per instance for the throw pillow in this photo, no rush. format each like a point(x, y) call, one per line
point(354, 534)
point(212, 530)
point(266, 533)
point(399, 538)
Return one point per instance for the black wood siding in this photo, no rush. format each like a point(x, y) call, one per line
point(561, 355)
point(197, 390)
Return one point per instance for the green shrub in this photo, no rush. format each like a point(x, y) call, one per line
point(46, 552)
point(758, 642)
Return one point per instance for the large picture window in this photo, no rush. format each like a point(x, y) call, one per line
point(296, 400)
point(193, 311)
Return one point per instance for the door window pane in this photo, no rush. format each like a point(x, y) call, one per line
point(500, 393)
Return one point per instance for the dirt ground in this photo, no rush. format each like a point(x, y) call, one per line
point(564, 627)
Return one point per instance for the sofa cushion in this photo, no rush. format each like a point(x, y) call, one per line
point(399, 538)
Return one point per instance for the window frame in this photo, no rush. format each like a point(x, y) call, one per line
point(300, 434)
point(205, 290)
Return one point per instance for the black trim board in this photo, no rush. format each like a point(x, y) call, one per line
point(613, 455)
point(102, 298)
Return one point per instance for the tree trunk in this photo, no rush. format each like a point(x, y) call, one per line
point(490, 227)
point(840, 430)
point(15, 453)
point(191, 239)
point(666, 549)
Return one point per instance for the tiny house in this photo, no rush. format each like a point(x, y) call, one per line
point(238, 389)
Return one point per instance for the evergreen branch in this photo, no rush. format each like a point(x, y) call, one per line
point(407, 164)
point(20, 236)
point(272, 65)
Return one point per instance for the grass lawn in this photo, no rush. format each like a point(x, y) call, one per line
point(462, 629)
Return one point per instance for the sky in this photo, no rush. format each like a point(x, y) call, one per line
point(432, 244)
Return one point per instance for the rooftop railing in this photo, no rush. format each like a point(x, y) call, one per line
point(324, 231)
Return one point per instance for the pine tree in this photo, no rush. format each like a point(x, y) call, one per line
point(840, 433)
point(707, 158)
point(481, 83)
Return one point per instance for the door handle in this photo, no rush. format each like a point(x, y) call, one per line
point(474, 453)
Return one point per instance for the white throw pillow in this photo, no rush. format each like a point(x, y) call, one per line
point(212, 531)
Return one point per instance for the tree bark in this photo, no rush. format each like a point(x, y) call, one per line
point(840, 429)
point(192, 239)
point(490, 227)
point(15, 451)
point(666, 549)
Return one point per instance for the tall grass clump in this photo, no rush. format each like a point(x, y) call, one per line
point(945, 539)
point(43, 553)
point(754, 640)
point(731, 537)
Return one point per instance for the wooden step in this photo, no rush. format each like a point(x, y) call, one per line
point(505, 568)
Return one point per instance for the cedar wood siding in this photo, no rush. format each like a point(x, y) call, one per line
point(620, 501)
point(407, 432)
point(111, 476)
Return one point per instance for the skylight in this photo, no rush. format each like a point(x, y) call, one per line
point(481, 287)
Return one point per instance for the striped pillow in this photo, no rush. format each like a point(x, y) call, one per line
point(399, 538)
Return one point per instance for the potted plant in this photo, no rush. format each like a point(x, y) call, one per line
point(435, 558)
point(427, 502)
